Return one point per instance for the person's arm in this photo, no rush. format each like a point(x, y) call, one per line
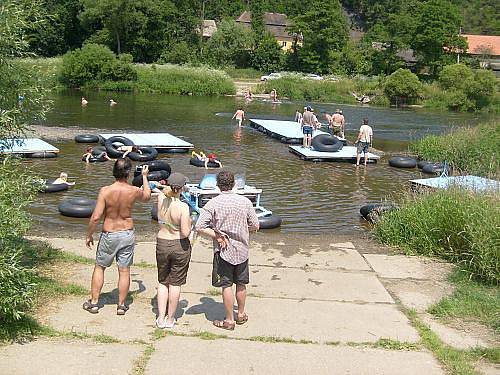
point(95, 218)
point(144, 194)
point(87, 158)
point(186, 221)
point(359, 136)
point(252, 219)
point(234, 116)
point(203, 227)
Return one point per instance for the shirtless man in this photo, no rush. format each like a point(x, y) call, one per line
point(337, 123)
point(117, 239)
point(239, 115)
point(364, 141)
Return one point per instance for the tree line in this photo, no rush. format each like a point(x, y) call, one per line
point(169, 31)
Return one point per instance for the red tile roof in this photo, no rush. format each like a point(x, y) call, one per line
point(483, 44)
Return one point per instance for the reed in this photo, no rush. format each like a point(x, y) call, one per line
point(457, 225)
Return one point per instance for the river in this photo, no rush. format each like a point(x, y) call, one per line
point(312, 198)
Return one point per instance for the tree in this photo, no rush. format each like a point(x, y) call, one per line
point(324, 29)
point(229, 45)
point(455, 77)
point(267, 56)
point(402, 85)
point(257, 12)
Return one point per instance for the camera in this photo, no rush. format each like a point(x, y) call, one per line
point(138, 168)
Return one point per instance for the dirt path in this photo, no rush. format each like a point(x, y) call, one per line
point(335, 309)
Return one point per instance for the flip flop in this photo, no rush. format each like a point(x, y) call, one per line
point(121, 309)
point(242, 320)
point(224, 324)
point(92, 308)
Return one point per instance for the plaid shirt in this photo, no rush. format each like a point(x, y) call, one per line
point(234, 215)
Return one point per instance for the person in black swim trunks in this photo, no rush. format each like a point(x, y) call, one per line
point(307, 126)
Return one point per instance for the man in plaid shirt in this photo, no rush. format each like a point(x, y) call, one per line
point(227, 219)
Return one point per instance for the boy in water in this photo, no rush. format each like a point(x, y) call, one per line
point(239, 115)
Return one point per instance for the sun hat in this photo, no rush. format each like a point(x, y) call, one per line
point(177, 179)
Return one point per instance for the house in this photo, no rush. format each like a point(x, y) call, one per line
point(274, 23)
point(487, 49)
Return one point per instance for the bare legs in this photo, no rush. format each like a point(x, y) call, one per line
point(170, 294)
point(241, 296)
point(98, 282)
point(228, 299)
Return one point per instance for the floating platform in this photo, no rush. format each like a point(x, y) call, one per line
point(285, 131)
point(474, 183)
point(160, 141)
point(347, 154)
point(26, 146)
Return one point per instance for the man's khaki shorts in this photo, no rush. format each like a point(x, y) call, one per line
point(116, 245)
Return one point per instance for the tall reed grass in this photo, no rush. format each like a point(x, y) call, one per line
point(455, 224)
point(468, 150)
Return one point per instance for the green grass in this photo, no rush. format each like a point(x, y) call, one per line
point(243, 74)
point(471, 301)
point(141, 362)
point(468, 150)
point(457, 225)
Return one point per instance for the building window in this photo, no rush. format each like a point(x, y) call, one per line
point(283, 44)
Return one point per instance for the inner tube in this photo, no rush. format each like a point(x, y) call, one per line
point(434, 168)
point(50, 187)
point(148, 154)
point(172, 150)
point(155, 165)
point(327, 143)
point(422, 163)
point(97, 150)
point(77, 207)
point(42, 155)
point(112, 150)
point(372, 212)
point(152, 176)
point(269, 222)
point(402, 162)
point(94, 159)
point(86, 138)
point(200, 163)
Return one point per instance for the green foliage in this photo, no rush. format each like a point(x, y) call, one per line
point(480, 16)
point(228, 46)
point(351, 61)
point(267, 55)
point(455, 77)
point(402, 85)
point(468, 150)
point(178, 53)
point(457, 225)
point(95, 62)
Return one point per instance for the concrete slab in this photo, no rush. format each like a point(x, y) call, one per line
point(264, 282)
point(137, 324)
point(343, 245)
point(300, 320)
point(46, 356)
point(407, 267)
point(454, 337)
point(186, 355)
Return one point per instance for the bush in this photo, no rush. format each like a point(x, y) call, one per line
point(402, 85)
point(470, 150)
point(455, 77)
point(179, 53)
point(94, 62)
point(267, 55)
point(457, 225)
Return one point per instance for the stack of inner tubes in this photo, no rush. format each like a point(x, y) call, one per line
point(87, 138)
point(112, 149)
point(326, 143)
point(42, 155)
point(422, 163)
point(77, 207)
point(402, 162)
point(373, 211)
point(158, 170)
point(148, 154)
point(200, 163)
point(50, 187)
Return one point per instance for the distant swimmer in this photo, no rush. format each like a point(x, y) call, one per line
point(274, 95)
point(84, 102)
point(298, 116)
point(128, 149)
point(239, 115)
point(112, 103)
point(248, 95)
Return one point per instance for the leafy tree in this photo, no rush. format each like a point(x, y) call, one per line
point(178, 53)
point(267, 55)
point(455, 77)
point(482, 88)
point(229, 45)
point(324, 28)
point(352, 60)
point(257, 11)
point(402, 85)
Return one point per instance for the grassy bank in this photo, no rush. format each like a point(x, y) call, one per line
point(470, 150)
point(456, 225)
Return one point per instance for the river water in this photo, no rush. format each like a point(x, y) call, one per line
point(312, 198)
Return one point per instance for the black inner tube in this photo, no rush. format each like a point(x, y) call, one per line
point(152, 176)
point(269, 222)
point(42, 155)
point(112, 150)
point(326, 143)
point(154, 165)
point(86, 138)
point(402, 162)
point(148, 154)
point(50, 187)
point(77, 207)
point(200, 163)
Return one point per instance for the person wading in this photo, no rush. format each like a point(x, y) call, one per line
point(307, 126)
point(117, 240)
point(227, 219)
point(364, 141)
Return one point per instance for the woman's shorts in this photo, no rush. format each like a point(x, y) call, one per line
point(307, 130)
point(172, 260)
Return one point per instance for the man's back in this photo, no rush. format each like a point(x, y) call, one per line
point(366, 133)
point(308, 118)
point(119, 199)
point(338, 118)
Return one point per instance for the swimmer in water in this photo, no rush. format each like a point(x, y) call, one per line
point(239, 115)
point(89, 153)
point(128, 149)
point(84, 102)
point(274, 95)
point(63, 179)
point(112, 103)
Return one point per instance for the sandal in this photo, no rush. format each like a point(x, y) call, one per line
point(121, 309)
point(92, 308)
point(242, 320)
point(224, 324)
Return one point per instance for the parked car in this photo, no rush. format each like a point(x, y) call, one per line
point(314, 77)
point(271, 76)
